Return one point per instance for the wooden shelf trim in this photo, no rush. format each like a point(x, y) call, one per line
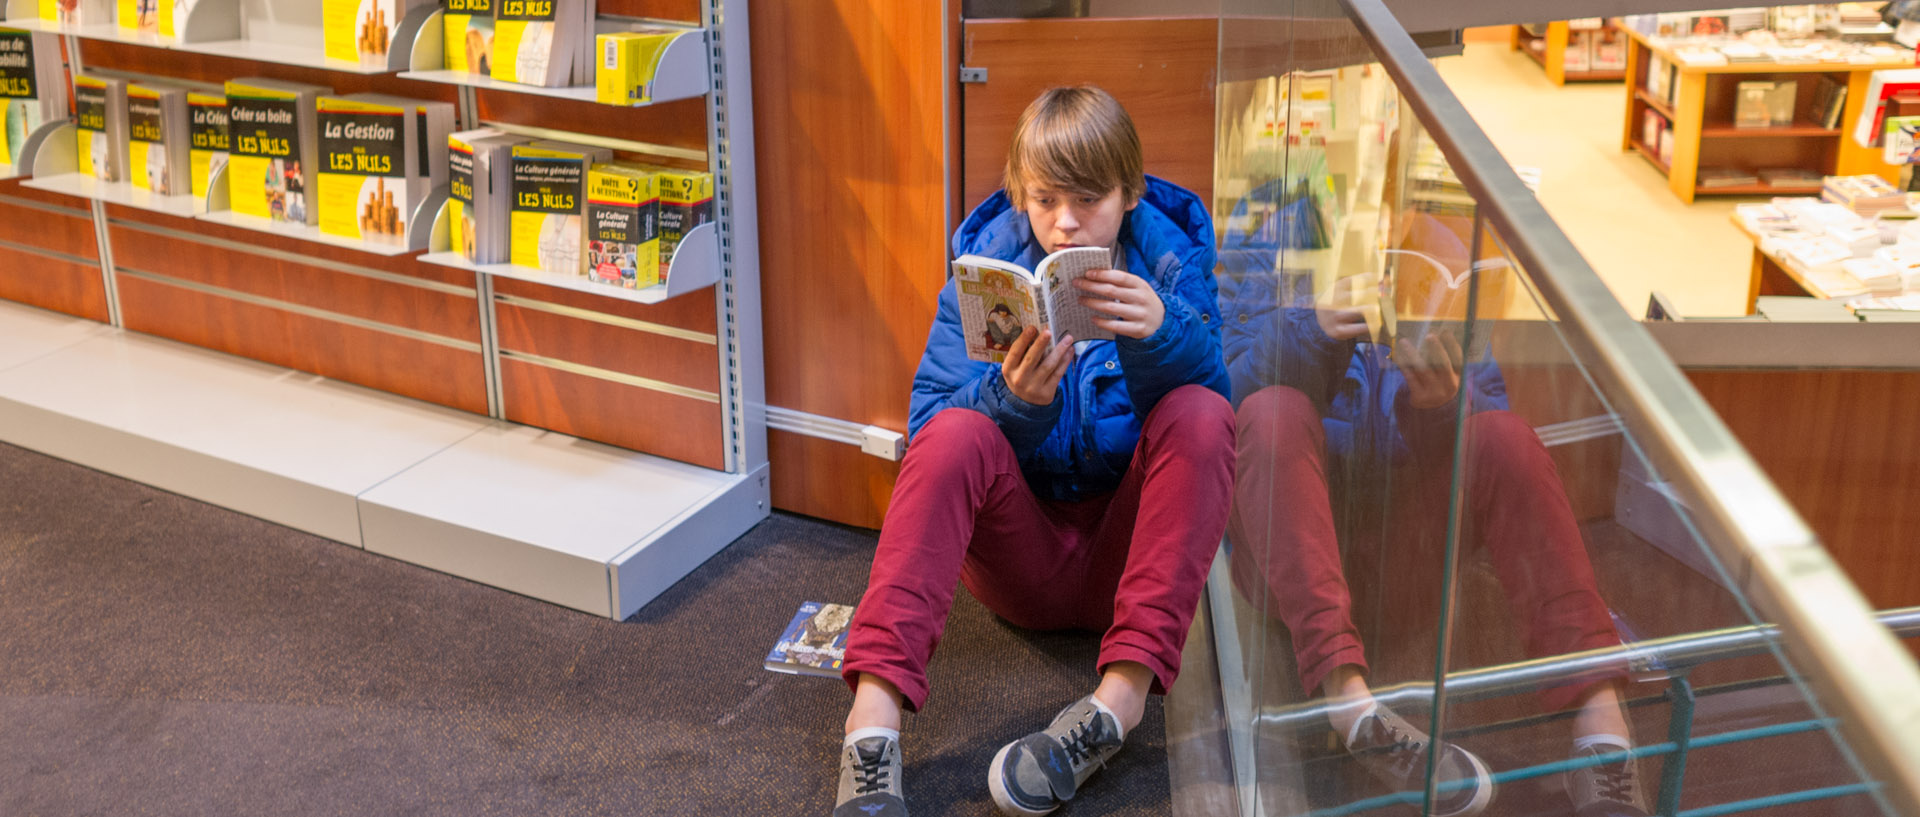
point(1652, 157)
point(1655, 103)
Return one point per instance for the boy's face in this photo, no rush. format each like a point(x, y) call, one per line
point(1064, 219)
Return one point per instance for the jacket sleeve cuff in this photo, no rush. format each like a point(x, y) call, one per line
point(1016, 416)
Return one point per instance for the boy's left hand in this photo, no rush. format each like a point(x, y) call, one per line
point(1135, 309)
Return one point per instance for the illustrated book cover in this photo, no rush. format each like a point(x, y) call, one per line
point(211, 138)
point(815, 641)
point(999, 299)
point(623, 226)
point(275, 152)
point(550, 205)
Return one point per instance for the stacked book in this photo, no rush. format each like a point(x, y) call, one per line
point(33, 87)
point(1790, 177)
point(1713, 178)
point(1865, 195)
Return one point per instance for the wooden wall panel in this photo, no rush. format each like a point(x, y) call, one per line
point(680, 124)
point(408, 265)
point(848, 109)
point(1844, 447)
point(665, 425)
point(192, 67)
point(415, 368)
point(51, 283)
point(47, 221)
point(1161, 69)
point(827, 474)
point(440, 313)
point(679, 361)
point(694, 311)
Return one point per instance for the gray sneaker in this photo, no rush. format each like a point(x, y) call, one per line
point(1035, 774)
point(1396, 753)
point(1607, 790)
point(870, 780)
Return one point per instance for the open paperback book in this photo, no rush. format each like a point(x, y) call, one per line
point(999, 299)
point(815, 641)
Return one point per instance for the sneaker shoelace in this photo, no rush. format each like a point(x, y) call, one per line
point(869, 772)
point(1615, 782)
point(1079, 742)
point(1404, 751)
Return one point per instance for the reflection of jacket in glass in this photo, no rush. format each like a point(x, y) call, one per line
point(1272, 337)
point(1081, 444)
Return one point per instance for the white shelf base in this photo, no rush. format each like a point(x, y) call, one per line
point(304, 232)
point(572, 522)
point(88, 187)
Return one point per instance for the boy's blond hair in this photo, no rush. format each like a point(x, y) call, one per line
point(1075, 140)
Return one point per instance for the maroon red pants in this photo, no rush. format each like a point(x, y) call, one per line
point(1284, 539)
point(1130, 563)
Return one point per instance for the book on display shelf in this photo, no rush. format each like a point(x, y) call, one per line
point(100, 119)
point(370, 177)
point(173, 16)
point(469, 36)
point(139, 16)
point(629, 62)
point(159, 158)
point(1764, 103)
point(814, 642)
point(33, 87)
point(999, 299)
point(361, 31)
point(543, 42)
point(77, 12)
point(623, 226)
point(274, 151)
point(548, 218)
point(480, 193)
point(210, 138)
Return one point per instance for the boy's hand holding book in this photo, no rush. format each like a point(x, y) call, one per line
point(1128, 304)
point(1432, 369)
point(1034, 365)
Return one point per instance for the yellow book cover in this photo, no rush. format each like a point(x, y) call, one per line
point(20, 107)
point(77, 12)
point(7, 146)
point(141, 16)
point(264, 176)
point(210, 141)
point(173, 16)
point(147, 147)
point(95, 145)
point(460, 226)
point(623, 226)
point(468, 26)
point(629, 62)
point(363, 184)
point(523, 42)
point(545, 222)
point(686, 202)
point(358, 31)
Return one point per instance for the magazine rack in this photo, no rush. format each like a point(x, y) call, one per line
point(610, 440)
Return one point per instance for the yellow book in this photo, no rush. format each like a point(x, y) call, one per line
point(686, 202)
point(358, 31)
point(100, 108)
point(623, 226)
point(369, 174)
point(77, 12)
point(469, 36)
point(157, 153)
point(549, 204)
point(142, 16)
point(273, 153)
point(173, 16)
point(537, 42)
point(210, 140)
point(628, 64)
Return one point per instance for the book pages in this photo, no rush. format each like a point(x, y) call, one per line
point(1065, 314)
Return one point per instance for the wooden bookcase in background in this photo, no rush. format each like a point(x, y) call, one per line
point(1553, 55)
point(1704, 134)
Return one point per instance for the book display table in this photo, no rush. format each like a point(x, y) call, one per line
point(1568, 54)
point(1698, 106)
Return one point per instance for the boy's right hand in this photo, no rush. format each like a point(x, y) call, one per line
point(1033, 368)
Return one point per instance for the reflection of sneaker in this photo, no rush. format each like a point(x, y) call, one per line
point(1396, 754)
point(1607, 790)
point(1035, 774)
point(870, 779)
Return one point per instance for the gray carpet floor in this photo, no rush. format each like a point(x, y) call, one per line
point(160, 656)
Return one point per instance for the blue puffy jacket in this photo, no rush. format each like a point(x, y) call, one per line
point(1081, 444)
point(1273, 338)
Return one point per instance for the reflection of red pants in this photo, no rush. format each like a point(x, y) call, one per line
point(1284, 541)
point(1131, 562)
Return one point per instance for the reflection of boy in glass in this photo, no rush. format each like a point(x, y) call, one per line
point(1327, 422)
point(1002, 328)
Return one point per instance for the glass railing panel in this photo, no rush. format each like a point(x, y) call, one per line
point(1448, 500)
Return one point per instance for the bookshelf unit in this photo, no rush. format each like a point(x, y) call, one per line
point(1700, 117)
point(562, 439)
point(1549, 49)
